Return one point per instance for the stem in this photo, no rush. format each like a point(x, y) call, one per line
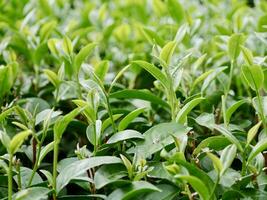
point(55, 159)
point(10, 177)
point(215, 185)
point(261, 112)
point(19, 174)
point(111, 115)
point(79, 86)
point(188, 192)
point(224, 111)
point(35, 164)
point(244, 163)
point(233, 62)
point(172, 96)
point(224, 98)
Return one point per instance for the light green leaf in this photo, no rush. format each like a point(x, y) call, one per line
point(260, 146)
point(154, 71)
point(157, 138)
point(79, 167)
point(124, 135)
point(4, 114)
point(254, 76)
point(67, 46)
point(248, 56)
point(252, 132)
point(176, 10)
point(213, 142)
point(182, 115)
point(17, 141)
point(132, 191)
point(52, 77)
point(82, 55)
point(101, 69)
point(234, 43)
point(227, 157)
point(218, 166)
point(232, 109)
point(108, 174)
point(213, 75)
point(49, 147)
point(199, 186)
point(62, 123)
point(34, 193)
point(139, 94)
point(129, 118)
point(128, 166)
point(228, 135)
point(167, 52)
point(108, 121)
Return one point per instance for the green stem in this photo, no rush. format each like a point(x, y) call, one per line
point(244, 163)
point(261, 111)
point(224, 98)
point(172, 96)
point(224, 111)
point(18, 175)
point(233, 62)
point(215, 186)
point(35, 164)
point(10, 177)
point(55, 159)
point(79, 86)
point(111, 115)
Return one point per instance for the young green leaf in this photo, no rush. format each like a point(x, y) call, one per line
point(136, 188)
point(67, 46)
point(254, 76)
point(17, 141)
point(79, 167)
point(157, 138)
point(129, 118)
point(234, 43)
point(49, 147)
point(52, 77)
point(108, 121)
point(232, 109)
point(62, 123)
point(154, 71)
point(227, 157)
point(139, 94)
point(217, 164)
point(252, 132)
point(167, 52)
point(248, 56)
point(34, 193)
point(198, 185)
point(215, 142)
point(82, 55)
point(124, 135)
point(260, 146)
point(128, 166)
point(108, 174)
point(176, 10)
point(101, 69)
point(182, 115)
point(229, 136)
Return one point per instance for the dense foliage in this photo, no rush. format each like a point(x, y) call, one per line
point(133, 99)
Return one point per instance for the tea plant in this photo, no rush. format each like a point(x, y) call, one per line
point(143, 99)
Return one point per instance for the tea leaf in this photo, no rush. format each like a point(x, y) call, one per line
point(124, 135)
point(129, 118)
point(254, 76)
